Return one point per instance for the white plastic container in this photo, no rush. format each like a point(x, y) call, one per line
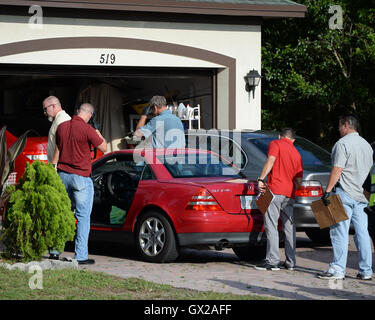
point(181, 111)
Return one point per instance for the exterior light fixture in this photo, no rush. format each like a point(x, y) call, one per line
point(252, 80)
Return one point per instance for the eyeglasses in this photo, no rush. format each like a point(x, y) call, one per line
point(45, 108)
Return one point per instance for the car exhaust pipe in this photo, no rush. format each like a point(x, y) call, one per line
point(222, 244)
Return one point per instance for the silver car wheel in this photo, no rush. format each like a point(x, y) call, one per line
point(152, 236)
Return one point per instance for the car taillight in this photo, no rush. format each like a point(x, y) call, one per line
point(310, 189)
point(33, 157)
point(12, 178)
point(203, 201)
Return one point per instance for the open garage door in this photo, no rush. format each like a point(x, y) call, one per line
point(118, 94)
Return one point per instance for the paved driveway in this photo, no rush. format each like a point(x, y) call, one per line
point(222, 271)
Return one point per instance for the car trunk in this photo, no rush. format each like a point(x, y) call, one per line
point(322, 177)
point(234, 195)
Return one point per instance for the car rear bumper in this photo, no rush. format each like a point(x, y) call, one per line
point(304, 217)
point(217, 222)
point(221, 239)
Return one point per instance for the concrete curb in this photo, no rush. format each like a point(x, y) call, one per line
point(44, 265)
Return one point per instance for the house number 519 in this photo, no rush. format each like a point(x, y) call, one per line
point(107, 58)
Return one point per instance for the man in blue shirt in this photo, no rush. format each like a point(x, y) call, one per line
point(166, 129)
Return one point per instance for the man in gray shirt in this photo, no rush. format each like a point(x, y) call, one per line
point(352, 161)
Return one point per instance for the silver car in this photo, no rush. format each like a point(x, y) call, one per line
point(248, 150)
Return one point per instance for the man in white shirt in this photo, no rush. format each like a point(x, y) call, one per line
point(53, 110)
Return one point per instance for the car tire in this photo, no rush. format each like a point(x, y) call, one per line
point(250, 253)
point(319, 236)
point(154, 238)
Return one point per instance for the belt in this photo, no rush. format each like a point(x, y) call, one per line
point(59, 170)
point(337, 185)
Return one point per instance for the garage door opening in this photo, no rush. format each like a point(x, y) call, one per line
point(117, 93)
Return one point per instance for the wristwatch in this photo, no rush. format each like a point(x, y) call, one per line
point(259, 179)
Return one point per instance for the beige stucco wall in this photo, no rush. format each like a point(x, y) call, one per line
point(243, 43)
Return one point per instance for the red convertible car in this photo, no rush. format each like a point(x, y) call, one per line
point(161, 201)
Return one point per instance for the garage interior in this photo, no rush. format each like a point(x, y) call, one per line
point(117, 93)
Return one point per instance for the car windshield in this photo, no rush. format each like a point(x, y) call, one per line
point(197, 165)
point(311, 154)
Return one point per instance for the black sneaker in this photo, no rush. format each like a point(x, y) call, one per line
point(53, 256)
point(267, 266)
point(363, 277)
point(329, 276)
point(87, 261)
point(285, 266)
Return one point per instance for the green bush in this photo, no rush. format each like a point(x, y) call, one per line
point(38, 215)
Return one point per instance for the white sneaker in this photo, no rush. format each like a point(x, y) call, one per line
point(362, 277)
point(329, 276)
point(267, 266)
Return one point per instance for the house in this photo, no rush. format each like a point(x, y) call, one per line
point(116, 54)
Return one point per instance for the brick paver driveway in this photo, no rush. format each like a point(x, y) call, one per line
point(222, 271)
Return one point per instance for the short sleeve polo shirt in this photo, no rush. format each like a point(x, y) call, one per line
point(353, 154)
point(61, 117)
point(287, 167)
point(74, 139)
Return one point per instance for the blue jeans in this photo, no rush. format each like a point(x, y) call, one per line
point(340, 237)
point(81, 193)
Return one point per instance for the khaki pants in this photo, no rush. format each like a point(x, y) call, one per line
point(280, 205)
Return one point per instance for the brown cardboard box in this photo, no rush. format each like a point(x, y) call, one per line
point(264, 200)
point(327, 216)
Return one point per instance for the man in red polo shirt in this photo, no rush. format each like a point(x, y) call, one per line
point(284, 170)
point(73, 143)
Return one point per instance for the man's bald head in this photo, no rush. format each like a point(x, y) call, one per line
point(85, 111)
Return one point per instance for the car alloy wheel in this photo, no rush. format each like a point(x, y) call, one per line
point(155, 238)
point(152, 236)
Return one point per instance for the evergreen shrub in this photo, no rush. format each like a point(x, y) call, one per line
point(38, 215)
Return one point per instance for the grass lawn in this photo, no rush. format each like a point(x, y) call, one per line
point(72, 284)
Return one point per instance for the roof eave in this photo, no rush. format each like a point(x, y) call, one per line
point(253, 10)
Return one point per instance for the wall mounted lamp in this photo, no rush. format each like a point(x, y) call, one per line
point(252, 80)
